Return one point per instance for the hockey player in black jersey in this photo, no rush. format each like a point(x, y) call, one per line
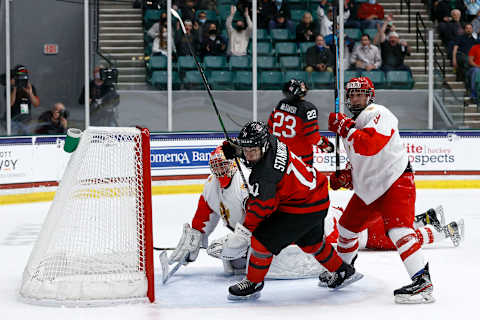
point(294, 121)
point(288, 203)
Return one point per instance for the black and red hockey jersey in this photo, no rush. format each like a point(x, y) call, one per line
point(295, 123)
point(281, 181)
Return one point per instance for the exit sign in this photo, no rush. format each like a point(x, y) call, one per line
point(50, 48)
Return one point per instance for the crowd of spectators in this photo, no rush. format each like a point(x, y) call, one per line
point(232, 37)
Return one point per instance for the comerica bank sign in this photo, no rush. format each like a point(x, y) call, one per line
point(180, 157)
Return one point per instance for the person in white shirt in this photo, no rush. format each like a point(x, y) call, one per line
point(383, 182)
point(238, 34)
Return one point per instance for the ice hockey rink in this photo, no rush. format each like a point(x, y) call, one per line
point(199, 290)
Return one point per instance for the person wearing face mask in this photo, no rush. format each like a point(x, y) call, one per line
point(160, 43)
point(104, 100)
point(214, 44)
point(318, 56)
point(370, 14)
point(239, 33)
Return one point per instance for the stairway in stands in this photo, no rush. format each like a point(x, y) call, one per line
point(464, 114)
point(121, 40)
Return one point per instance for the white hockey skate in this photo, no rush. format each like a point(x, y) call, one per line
point(455, 230)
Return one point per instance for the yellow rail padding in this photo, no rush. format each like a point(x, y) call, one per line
point(198, 188)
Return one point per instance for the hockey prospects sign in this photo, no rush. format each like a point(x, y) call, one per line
point(42, 159)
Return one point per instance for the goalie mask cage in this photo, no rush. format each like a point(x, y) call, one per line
point(96, 246)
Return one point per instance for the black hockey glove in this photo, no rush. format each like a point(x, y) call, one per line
point(230, 149)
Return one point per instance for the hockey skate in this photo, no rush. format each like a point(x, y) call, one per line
point(344, 276)
point(434, 217)
point(419, 291)
point(326, 275)
point(455, 230)
point(245, 290)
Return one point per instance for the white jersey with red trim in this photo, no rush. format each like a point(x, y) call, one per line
point(376, 152)
point(228, 203)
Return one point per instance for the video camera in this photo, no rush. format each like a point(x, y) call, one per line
point(21, 77)
point(109, 76)
point(64, 113)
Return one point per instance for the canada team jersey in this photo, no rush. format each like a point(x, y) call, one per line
point(296, 125)
point(376, 152)
point(281, 181)
point(227, 204)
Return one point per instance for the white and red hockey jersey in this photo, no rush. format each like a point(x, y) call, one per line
point(375, 151)
point(225, 203)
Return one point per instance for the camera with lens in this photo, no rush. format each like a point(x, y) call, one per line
point(64, 113)
point(21, 78)
point(109, 76)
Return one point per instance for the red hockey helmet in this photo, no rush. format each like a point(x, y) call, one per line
point(221, 167)
point(362, 85)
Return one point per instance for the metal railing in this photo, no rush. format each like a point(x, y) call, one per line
point(407, 4)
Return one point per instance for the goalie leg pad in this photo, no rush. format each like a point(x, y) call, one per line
point(188, 246)
point(237, 244)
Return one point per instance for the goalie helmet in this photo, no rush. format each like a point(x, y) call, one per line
point(221, 167)
point(361, 85)
point(295, 89)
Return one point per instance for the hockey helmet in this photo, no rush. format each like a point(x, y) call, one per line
point(361, 85)
point(295, 89)
point(221, 167)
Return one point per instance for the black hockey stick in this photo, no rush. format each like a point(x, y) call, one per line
point(337, 88)
point(161, 249)
point(207, 86)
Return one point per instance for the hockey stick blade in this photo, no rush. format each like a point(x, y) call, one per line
point(166, 274)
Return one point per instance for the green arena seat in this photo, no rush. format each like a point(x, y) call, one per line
point(264, 49)
point(159, 80)
point(281, 35)
point(271, 80)
point(299, 75)
point(399, 79)
point(371, 33)
point(355, 34)
point(303, 46)
point(215, 62)
point(157, 63)
point(186, 63)
point(290, 63)
point(297, 15)
point(297, 4)
point(243, 80)
point(262, 35)
point(322, 80)
point(193, 80)
point(286, 49)
point(221, 80)
point(240, 63)
point(150, 17)
point(377, 77)
point(266, 63)
point(349, 74)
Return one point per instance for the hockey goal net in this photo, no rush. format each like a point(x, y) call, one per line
point(95, 246)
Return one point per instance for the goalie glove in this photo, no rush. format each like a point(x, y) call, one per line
point(188, 246)
point(237, 244)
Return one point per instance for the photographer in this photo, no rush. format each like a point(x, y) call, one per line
point(53, 121)
point(104, 98)
point(23, 96)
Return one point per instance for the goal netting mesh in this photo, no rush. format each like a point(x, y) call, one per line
point(94, 244)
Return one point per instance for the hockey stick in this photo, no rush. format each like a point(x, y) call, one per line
point(207, 86)
point(161, 249)
point(166, 274)
point(337, 86)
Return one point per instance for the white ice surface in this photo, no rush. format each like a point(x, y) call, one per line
point(198, 291)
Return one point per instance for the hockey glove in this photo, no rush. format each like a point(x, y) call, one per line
point(188, 246)
point(340, 123)
point(231, 149)
point(342, 180)
point(237, 244)
point(325, 145)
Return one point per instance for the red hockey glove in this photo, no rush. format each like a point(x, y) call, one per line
point(325, 145)
point(340, 123)
point(342, 180)
point(231, 149)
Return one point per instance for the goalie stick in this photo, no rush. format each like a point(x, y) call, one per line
point(166, 274)
point(207, 86)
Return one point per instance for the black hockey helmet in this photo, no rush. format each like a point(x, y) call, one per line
point(295, 89)
point(254, 134)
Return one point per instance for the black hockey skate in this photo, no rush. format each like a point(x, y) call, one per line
point(325, 277)
point(455, 230)
point(344, 276)
point(419, 291)
point(245, 290)
point(434, 217)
